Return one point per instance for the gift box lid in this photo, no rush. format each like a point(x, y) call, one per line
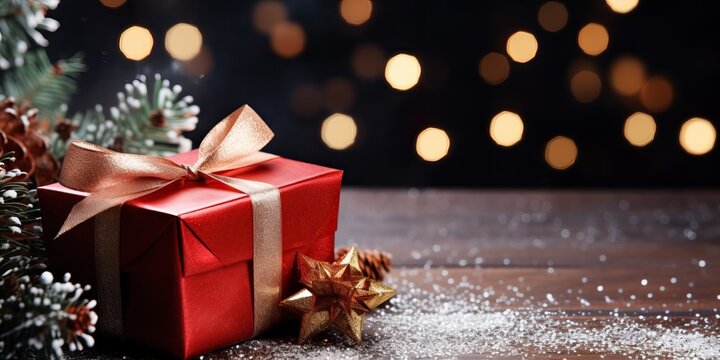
point(215, 221)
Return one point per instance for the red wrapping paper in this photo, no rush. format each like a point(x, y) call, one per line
point(186, 251)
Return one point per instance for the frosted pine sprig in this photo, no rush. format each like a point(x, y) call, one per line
point(154, 118)
point(19, 215)
point(21, 22)
point(37, 314)
point(46, 317)
point(146, 120)
point(20, 241)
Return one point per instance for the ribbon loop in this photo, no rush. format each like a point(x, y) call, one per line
point(90, 167)
point(234, 141)
point(114, 178)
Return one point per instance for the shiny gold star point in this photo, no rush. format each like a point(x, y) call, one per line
point(337, 295)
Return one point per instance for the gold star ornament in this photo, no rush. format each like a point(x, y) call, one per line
point(336, 296)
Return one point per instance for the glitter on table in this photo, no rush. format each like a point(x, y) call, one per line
point(527, 274)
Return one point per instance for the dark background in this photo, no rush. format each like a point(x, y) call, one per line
point(675, 39)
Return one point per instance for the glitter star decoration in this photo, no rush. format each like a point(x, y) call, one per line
point(336, 296)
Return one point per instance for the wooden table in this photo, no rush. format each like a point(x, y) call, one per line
point(513, 274)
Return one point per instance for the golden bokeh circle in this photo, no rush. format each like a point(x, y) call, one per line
point(402, 71)
point(356, 12)
point(656, 94)
point(113, 4)
point(136, 43)
point(506, 128)
point(494, 68)
point(338, 131)
point(622, 6)
point(627, 75)
point(553, 16)
point(640, 129)
point(183, 41)
point(697, 136)
point(268, 13)
point(287, 39)
point(593, 39)
point(522, 46)
point(432, 144)
point(561, 152)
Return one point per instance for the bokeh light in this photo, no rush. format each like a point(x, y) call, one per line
point(355, 12)
point(622, 6)
point(338, 94)
point(183, 41)
point(640, 129)
point(506, 128)
point(287, 39)
point(561, 152)
point(593, 39)
point(697, 136)
point(553, 16)
point(656, 94)
point(306, 100)
point(368, 61)
point(432, 144)
point(402, 71)
point(585, 86)
point(338, 131)
point(268, 13)
point(494, 68)
point(522, 46)
point(627, 75)
point(136, 43)
point(113, 4)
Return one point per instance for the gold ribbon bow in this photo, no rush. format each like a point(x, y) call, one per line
point(113, 178)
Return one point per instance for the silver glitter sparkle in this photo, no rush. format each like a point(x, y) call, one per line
point(457, 321)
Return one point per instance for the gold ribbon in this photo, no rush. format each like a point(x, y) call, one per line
point(113, 178)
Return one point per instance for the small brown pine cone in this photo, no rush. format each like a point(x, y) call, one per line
point(157, 119)
point(82, 319)
point(23, 135)
point(64, 129)
point(373, 263)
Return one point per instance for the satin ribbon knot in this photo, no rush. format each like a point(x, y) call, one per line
point(192, 173)
point(113, 178)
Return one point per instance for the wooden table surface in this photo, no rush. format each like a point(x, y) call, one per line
point(541, 274)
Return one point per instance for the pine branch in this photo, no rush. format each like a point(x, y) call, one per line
point(145, 121)
point(42, 84)
point(44, 317)
point(20, 242)
point(20, 25)
point(154, 119)
point(37, 314)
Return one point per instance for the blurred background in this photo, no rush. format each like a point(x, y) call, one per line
point(616, 93)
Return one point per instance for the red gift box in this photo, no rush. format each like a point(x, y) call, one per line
point(186, 251)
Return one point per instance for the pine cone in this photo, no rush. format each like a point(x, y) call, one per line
point(64, 129)
point(373, 263)
point(81, 320)
point(157, 119)
point(20, 132)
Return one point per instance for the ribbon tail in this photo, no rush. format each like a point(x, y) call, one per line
point(267, 248)
point(104, 199)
